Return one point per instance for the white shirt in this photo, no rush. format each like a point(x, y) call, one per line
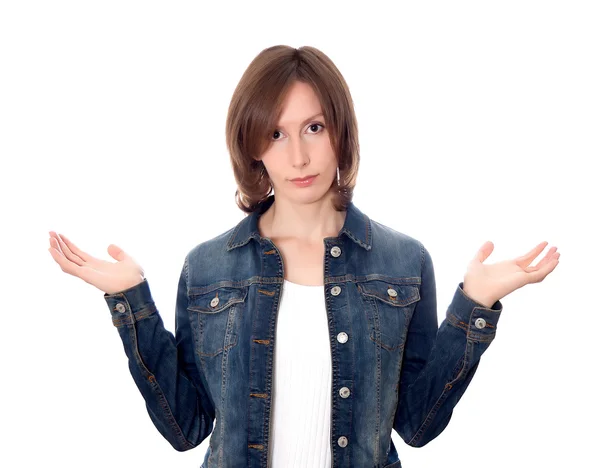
point(301, 410)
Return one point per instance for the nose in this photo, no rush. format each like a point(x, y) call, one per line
point(298, 153)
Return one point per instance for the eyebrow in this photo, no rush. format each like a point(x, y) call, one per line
point(305, 120)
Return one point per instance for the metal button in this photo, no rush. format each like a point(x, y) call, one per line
point(336, 290)
point(342, 441)
point(344, 392)
point(480, 323)
point(121, 308)
point(342, 337)
point(336, 251)
point(392, 292)
point(214, 302)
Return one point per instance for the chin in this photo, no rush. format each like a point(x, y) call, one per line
point(307, 194)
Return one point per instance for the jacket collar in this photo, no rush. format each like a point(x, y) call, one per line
point(357, 226)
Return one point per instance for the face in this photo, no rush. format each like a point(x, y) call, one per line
point(300, 147)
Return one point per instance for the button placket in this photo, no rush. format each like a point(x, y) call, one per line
point(342, 337)
point(335, 251)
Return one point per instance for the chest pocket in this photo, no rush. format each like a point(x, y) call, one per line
point(388, 307)
point(213, 318)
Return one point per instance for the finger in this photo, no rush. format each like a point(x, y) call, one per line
point(526, 259)
point(54, 244)
point(89, 275)
point(550, 255)
point(65, 264)
point(76, 250)
point(535, 276)
point(72, 254)
point(54, 241)
point(484, 251)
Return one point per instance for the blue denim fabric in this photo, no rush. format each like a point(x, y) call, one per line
point(214, 377)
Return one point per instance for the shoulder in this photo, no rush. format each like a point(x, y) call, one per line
point(391, 243)
point(385, 235)
point(209, 248)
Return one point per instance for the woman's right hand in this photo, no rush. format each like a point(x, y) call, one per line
point(109, 277)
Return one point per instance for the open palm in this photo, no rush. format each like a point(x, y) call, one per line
point(494, 281)
point(109, 277)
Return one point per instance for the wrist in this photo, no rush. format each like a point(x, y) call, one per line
point(477, 296)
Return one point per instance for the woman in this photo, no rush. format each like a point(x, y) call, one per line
point(308, 331)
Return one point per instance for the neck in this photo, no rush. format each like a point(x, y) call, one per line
point(305, 222)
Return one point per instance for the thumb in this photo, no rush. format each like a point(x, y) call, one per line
point(116, 252)
point(484, 252)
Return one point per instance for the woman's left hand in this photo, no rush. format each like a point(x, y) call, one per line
point(489, 283)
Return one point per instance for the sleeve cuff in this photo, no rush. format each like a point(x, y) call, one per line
point(131, 305)
point(477, 320)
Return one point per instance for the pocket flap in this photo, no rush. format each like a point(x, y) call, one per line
point(217, 300)
point(393, 294)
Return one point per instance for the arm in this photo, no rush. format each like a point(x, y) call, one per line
point(439, 363)
point(162, 365)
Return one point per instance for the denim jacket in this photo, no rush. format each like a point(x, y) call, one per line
point(392, 367)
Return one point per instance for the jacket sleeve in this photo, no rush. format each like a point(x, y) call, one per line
point(163, 365)
point(439, 363)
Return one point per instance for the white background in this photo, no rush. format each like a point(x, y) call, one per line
point(478, 121)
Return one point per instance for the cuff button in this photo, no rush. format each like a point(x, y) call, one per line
point(120, 307)
point(480, 323)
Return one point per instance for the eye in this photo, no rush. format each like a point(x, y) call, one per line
point(316, 125)
point(277, 132)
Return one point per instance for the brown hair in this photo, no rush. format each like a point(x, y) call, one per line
point(256, 106)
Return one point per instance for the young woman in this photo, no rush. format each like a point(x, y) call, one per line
point(308, 331)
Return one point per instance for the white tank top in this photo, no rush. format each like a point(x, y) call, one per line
point(301, 410)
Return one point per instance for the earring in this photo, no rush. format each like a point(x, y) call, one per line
point(338, 175)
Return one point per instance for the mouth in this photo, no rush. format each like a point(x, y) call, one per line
point(303, 179)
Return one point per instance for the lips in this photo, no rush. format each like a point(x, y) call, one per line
point(305, 181)
point(300, 179)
